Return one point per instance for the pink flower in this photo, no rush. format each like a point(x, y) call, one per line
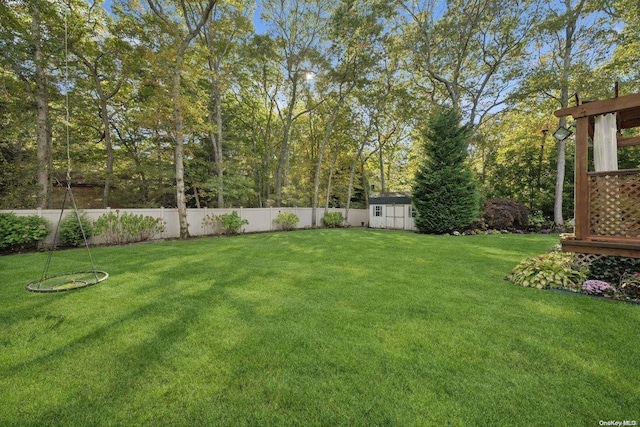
point(597, 287)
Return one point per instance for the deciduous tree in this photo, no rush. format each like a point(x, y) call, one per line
point(182, 21)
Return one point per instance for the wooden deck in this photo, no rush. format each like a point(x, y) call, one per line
point(629, 249)
point(607, 204)
point(612, 215)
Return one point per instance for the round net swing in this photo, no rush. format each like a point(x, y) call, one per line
point(68, 281)
point(65, 281)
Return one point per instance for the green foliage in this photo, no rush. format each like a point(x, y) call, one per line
point(630, 287)
point(16, 169)
point(505, 214)
point(72, 227)
point(225, 223)
point(552, 270)
point(470, 59)
point(212, 224)
point(127, 228)
point(21, 232)
point(613, 268)
point(333, 219)
point(623, 274)
point(287, 220)
point(232, 222)
point(444, 193)
point(538, 222)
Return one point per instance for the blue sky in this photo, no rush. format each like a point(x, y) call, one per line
point(257, 22)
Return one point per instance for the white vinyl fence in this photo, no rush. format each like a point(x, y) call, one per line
point(260, 219)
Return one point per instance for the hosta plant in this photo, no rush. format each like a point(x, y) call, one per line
point(552, 270)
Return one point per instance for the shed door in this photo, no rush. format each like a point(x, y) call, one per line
point(395, 216)
point(377, 216)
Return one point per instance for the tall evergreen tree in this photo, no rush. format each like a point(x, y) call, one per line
point(444, 192)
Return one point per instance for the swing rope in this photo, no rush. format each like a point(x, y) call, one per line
point(80, 279)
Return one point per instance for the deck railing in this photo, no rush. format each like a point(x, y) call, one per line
point(614, 205)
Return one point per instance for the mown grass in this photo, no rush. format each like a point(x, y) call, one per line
point(318, 327)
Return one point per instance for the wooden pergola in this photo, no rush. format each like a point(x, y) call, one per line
point(607, 204)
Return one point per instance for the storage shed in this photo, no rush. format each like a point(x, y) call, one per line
point(391, 210)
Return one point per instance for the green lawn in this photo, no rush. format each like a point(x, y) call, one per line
point(319, 327)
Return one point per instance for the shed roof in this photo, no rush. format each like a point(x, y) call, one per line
point(390, 199)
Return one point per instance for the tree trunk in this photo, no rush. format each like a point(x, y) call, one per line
point(215, 116)
point(567, 53)
point(179, 150)
point(284, 147)
point(561, 159)
point(109, 148)
point(540, 159)
point(219, 142)
point(103, 100)
point(197, 196)
point(352, 174)
point(160, 182)
point(381, 164)
point(43, 132)
point(176, 101)
point(364, 184)
point(264, 183)
point(318, 173)
point(564, 102)
point(329, 181)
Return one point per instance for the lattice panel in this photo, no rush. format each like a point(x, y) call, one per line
point(615, 205)
point(585, 260)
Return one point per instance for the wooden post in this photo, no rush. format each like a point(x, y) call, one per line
point(582, 210)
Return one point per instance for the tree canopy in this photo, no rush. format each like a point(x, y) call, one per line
point(183, 103)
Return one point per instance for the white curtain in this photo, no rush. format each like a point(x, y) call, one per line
point(605, 147)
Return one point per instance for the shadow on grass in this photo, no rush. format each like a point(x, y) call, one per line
point(126, 355)
point(289, 330)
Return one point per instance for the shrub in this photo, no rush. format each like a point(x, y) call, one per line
point(214, 223)
point(232, 222)
point(127, 228)
point(287, 220)
point(333, 219)
point(21, 232)
point(71, 230)
point(108, 226)
point(548, 270)
point(537, 222)
point(505, 214)
point(597, 287)
point(630, 287)
point(612, 269)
